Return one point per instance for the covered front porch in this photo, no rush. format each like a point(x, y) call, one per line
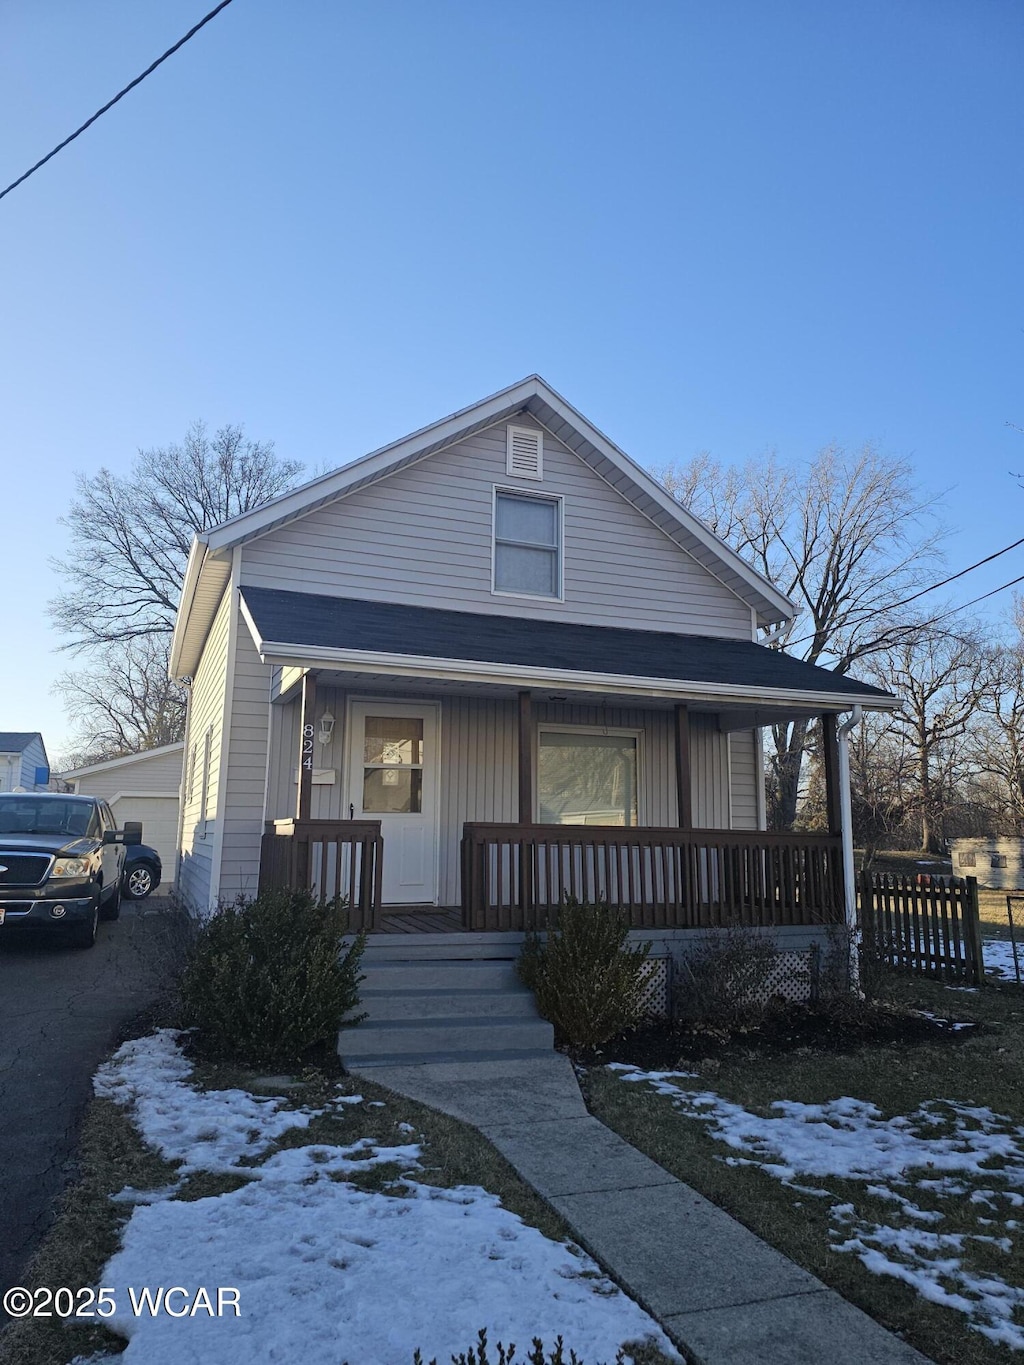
point(468, 773)
point(511, 875)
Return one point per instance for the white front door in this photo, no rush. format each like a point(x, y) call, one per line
point(393, 779)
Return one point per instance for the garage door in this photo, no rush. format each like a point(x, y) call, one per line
point(158, 816)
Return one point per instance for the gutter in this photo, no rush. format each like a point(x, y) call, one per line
point(193, 571)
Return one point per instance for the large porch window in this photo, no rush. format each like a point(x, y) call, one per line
point(587, 777)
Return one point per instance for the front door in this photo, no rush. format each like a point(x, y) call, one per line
point(393, 779)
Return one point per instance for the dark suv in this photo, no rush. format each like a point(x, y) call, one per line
point(60, 863)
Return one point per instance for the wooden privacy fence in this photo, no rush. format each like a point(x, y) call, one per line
point(515, 876)
point(927, 925)
point(329, 858)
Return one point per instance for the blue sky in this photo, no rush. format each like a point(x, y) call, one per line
point(726, 226)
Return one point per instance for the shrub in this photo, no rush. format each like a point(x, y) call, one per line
point(587, 981)
point(725, 979)
point(266, 979)
point(478, 1355)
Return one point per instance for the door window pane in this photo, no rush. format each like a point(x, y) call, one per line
point(587, 779)
point(392, 791)
point(393, 740)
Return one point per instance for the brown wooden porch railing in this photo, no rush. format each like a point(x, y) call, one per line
point(516, 876)
point(330, 858)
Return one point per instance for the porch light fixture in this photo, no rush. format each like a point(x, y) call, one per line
point(326, 728)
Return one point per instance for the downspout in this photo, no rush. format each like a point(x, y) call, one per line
point(179, 857)
point(846, 831)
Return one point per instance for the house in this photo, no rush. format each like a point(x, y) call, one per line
point(145, 787)
point(489, 665)
point(998, 863)
point(23, 762)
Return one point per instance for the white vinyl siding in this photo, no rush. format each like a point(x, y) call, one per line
point(246, 774)
point(149, 771)
point(709, 770)
point(424, 536)
point(206, 718)
point(743, 758)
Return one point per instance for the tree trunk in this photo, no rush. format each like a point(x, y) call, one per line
point(790, 743)
point(929, 835)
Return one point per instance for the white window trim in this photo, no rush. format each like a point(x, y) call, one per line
point(556, 498)
point(203, 822)
point(552, 726)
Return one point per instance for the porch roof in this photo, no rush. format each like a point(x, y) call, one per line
point(315, 630)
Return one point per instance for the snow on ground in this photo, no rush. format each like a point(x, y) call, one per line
point(958, 1146)
point(205, 1130)
point(998, 954)
point(328, 1272)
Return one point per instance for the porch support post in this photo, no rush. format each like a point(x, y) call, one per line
point(525, 758)
point(830, 762)
point(307, 735)
point(846, 824)
point(684, 797)
point(526, 896)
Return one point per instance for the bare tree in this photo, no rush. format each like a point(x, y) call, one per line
point(998, 737)
point(130, 539)
point(125, 703)
point(881, 779)
point(942, 677)
point(847, 537)
point(130, 535)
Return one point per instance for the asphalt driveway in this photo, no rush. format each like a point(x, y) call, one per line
point(61, 1010)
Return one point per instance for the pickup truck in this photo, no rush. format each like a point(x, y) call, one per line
point(61, 859)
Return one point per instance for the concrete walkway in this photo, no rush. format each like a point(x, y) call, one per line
point(723, 1295)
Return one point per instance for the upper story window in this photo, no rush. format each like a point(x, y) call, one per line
point(527, 544)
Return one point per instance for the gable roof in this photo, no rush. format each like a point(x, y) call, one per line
point(17, 741)
point(126, 760)
point(209, 561)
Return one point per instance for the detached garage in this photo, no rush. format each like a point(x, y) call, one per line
point(144, 787)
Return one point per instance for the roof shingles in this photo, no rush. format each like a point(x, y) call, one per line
point(309, 619)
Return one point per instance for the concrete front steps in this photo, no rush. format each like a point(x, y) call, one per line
point(433, 998)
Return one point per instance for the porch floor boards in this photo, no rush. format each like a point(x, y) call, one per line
point(424, 919)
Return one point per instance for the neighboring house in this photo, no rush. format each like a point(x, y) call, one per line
point(490, 664)
point(997, 863)
point(23, 761)
point(144, 787)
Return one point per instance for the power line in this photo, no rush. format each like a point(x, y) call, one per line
point(119, 96)
point(923, 592)
point(953, 577)
point(974, 600)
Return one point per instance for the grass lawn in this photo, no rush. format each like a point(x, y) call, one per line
point(984, 1067)
point(114, 1157)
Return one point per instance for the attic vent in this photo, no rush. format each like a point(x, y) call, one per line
point(525, 453)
